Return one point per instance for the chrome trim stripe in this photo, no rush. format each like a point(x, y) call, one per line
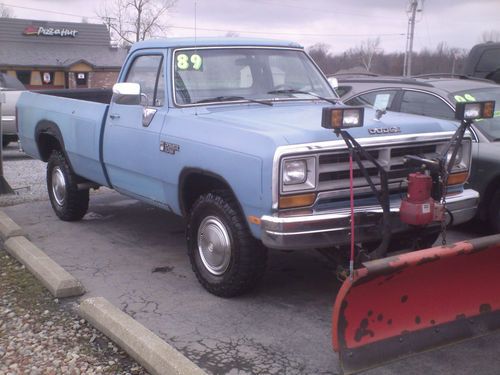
point(323, 230)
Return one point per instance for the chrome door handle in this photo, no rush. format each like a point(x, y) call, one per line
point(114, 116)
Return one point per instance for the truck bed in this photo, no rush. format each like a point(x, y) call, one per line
point(77, 115)
point(90, 95)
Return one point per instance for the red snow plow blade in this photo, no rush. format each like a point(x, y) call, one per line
point(404, 304)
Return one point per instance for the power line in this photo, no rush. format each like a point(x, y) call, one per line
point(285, 33)
point(50, 11)
point(333, 11)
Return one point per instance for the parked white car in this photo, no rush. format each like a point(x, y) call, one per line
point(11, 88)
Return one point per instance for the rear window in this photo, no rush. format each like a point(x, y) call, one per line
point(489, 61)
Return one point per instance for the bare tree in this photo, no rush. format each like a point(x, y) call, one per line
point(367, 50)
point(320, 53)
point(6, 12)
point(135, 20)
point(490, 36)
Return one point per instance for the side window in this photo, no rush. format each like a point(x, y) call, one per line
point(419, 103)
point(147, 71)
point(377, 99)
point(342, 90)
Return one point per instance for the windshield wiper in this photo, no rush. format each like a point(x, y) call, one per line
point(226, 98)
point(294, 91)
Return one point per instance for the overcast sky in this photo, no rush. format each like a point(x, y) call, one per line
point(340, 24)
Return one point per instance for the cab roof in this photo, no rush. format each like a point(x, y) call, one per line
point(212, 42)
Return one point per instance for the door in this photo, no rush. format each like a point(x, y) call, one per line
point(132, 132)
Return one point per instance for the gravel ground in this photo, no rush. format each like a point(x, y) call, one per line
point(25, 176)
point(40, 334)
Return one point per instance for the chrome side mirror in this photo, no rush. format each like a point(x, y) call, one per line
point(127, 93)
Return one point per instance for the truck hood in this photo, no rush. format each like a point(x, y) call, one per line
point(297, 123)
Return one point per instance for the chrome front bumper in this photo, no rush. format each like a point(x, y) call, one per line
point(326, 229)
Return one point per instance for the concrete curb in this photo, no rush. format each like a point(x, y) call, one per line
point(8, 228)
point(57, 280)
point(158, 357)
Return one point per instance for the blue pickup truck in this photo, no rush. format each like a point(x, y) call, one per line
point(227, 133)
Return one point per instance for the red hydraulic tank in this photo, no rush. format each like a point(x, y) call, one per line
point(418, 207)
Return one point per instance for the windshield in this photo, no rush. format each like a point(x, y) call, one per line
point(489, 127)
point(217, 75)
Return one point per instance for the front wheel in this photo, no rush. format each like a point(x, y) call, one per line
point(226, 258)
point(69, 203)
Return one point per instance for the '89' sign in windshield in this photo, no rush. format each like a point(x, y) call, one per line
point(188, 61)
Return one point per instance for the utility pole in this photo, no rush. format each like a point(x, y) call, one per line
point(409, 37)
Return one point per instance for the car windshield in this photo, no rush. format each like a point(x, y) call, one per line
point(215, 75)
point(489, 127)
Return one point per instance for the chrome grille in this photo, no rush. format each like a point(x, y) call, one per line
point(333, 171)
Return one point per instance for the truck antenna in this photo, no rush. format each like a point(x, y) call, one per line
point(195, 25)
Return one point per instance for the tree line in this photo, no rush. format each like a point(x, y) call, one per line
point(368, 57)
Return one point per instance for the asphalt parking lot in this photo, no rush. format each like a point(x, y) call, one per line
point(135, 256)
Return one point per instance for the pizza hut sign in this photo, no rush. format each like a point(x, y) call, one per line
point(49, 31)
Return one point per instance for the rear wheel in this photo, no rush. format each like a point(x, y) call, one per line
point(69, 203)
point(226, 258)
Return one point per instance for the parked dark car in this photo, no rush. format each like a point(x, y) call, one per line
point(483, 61)
point(437, 97)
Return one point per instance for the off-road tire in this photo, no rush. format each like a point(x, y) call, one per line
point(494, 212)
point(248, 257)
point(74, 203)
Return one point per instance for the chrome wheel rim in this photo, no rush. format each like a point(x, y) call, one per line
point(214, 245)
point(58, 186)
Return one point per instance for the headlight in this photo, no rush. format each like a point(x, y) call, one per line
point(294, 172)
point(298, 174)
point(463, 158)
point(458, 158)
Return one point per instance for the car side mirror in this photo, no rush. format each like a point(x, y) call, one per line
point(127, 93)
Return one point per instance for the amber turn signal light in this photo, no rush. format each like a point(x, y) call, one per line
point(300, 200)
point(457, 178)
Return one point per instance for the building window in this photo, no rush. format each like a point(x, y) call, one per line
point(81, 79)
point(24, 76)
